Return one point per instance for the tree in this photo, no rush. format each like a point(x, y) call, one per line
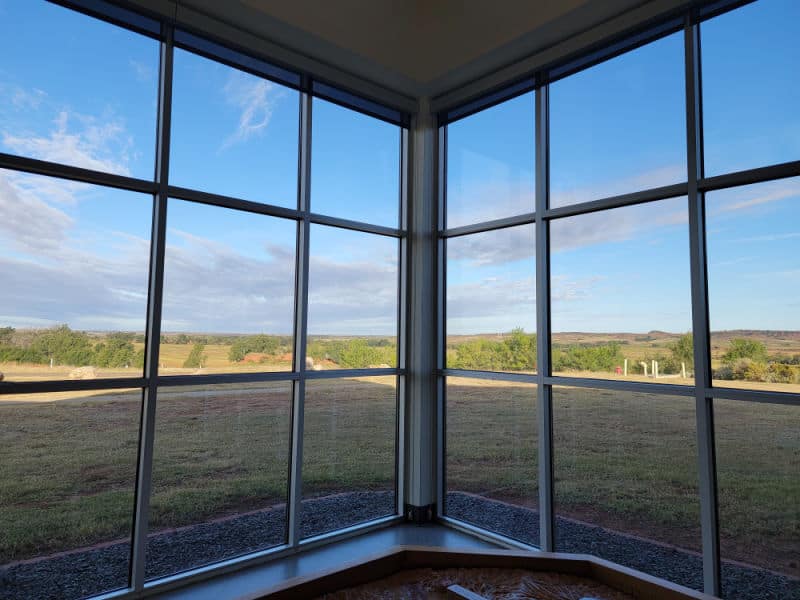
point(116, 351)
point(196, 357)
point(64, 346)
point(744, 348)
point(683, 349)
point(6, 334)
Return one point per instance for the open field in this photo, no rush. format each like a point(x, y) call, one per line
point(624, 461)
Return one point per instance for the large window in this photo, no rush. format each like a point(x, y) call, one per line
point(637, 321)
point(199, 324)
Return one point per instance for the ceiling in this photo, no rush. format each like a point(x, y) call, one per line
point(418, 47)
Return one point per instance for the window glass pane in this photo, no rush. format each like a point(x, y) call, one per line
point(757, 449)
point(220, 469)
point(355, 170)
point(73, 266)
point(620, 290)
point(751, 100)
point(233, 133)
point(619, 127)
point(491, 163)
point(76, 90)
point(352, 300)
point(492, 452)
point(491, 300)
point(228, 291)
point(67, 478)
point(625, 470)
point(753, 242)
point(349, 442)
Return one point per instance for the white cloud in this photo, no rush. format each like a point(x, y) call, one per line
point(255, 98)
point(747, 197)
point(653, 178)
point(101, 146)
point(143, 72)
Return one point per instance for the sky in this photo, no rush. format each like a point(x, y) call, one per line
point(86, 93)
point(616, 128)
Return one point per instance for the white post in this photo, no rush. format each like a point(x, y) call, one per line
point(625, 367)
point(683, 370)
point(653, 370)
point(644, 366)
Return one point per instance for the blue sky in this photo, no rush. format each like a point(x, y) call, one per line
point(616, 128)
point(85, 94)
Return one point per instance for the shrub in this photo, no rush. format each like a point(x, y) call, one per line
point(744, 348)
point(196, 357)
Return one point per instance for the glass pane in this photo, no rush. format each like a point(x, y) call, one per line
point(355, 171)
point(753, 251)
point(750, 99)
point(73, 266)
point(491, 300)
point(621, 297)
point(233, 133)
point(220, 469)
point(492, 456)
point(626, 483)
point(352, 300)
point(491, 162)
point(228, 291)
point(67, 478)
point(76, 90)
point(349, 442)
point(757, 450)
point(619, 127)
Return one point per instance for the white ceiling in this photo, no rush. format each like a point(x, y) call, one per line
point(418, 47)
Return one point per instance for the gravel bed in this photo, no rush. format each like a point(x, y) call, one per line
point(685, 568)
point(94, 571)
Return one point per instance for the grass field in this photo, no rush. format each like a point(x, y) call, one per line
point(626, 461)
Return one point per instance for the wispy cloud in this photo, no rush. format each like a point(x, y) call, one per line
point(255, 99)
point(144, 73)
point(101, 145)
point(751, 196)
point(778, 237)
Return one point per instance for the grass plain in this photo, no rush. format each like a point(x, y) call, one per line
point(626, 461)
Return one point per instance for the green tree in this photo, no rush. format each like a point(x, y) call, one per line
point(64, 346)
point(6, 333)
point(196, 357)
point(116, 351)
point(683, 349)
point(744, 348)
point(261, 343)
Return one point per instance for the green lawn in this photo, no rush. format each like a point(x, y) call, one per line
point(623, 460)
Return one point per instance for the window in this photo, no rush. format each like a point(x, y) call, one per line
point(348, 452)
point(233, 133)
point(492, 453)
point(490, 163)
point(637, 278)
point(355, 167)
point(138, 313)
point(228, 291)
point(65, 102)
point(352, 300)
point(491, 301)
point(619, 127)
point(625, 470)
point(620, 294)
point(753, 285)
point(757, 122)
point(759, 492)
point(220, 460)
